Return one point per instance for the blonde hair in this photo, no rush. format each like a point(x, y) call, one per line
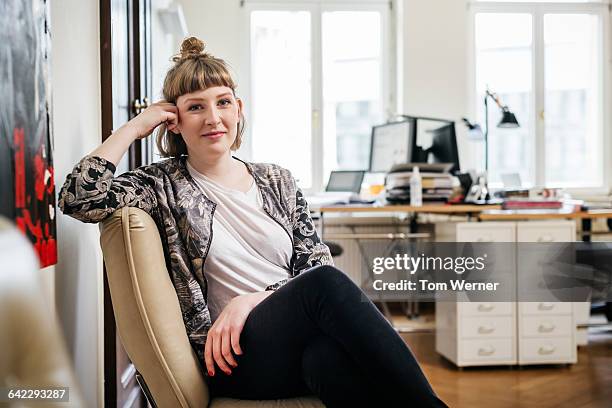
point(193, 70)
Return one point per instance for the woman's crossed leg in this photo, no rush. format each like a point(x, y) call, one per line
point(320, 335)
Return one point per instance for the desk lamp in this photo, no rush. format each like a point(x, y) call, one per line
point(508, 120)
point(475, 132)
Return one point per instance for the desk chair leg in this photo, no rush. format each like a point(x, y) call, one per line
point(145, 390)
point(414, 225)
point(586, 229)
point(411, 309)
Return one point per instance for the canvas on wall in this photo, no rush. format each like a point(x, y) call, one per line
point(26, 167)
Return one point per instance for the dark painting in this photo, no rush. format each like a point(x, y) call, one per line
point(26, 168)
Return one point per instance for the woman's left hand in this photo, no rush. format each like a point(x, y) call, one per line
point(224, 335)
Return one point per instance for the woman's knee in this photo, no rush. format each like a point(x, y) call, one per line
point(325, 275)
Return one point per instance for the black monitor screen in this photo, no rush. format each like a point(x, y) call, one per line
point(392, 143)
point(444, 146)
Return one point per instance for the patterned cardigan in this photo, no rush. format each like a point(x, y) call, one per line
point(184, 215)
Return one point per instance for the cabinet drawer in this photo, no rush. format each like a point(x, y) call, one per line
point(486, 232)
point(546, 326)
point(545, 308)
point(546, 231)
point(486, 327)
point(551, 349)
point(487, 350)
point(485, 309)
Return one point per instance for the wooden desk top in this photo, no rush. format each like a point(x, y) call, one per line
point(484, 212)
point(509, 215)
point(431, 208)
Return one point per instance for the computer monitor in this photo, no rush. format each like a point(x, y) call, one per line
point(345, 181)
point(392, 143)
point(444, 146)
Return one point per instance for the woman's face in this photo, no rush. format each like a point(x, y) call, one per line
point(208, 120)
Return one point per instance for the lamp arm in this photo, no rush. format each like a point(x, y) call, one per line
point(495, 97)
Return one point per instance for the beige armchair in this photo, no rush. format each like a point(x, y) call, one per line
point(149, 320)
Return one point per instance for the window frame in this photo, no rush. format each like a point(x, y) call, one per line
point(537, 10)
point(389, 64)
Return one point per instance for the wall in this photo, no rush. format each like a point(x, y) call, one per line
point(222, 25)
point(436, 66)
point(75, 90)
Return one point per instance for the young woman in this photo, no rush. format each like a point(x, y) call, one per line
point(265, 310)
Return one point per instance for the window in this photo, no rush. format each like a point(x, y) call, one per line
point(317, 85)
point(546, 62)
point(281, 69)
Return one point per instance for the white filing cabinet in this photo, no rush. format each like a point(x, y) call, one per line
point(479, 333)
point(476, 333)
point(546, 330)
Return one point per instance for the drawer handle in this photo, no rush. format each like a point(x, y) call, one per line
point(486, 329)
point(485, 307)
point(486, 351)
point(546, 238)
point(546, 327)
point(546, 306)
point(548, 349)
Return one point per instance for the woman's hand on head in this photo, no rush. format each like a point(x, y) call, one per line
point(157, 113)
point(224, 335)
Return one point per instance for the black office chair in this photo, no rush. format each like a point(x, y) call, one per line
point(334, 249)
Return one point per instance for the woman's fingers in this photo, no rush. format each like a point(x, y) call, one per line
point(235, 336)
point(226, 349)
point(208, 357)
point(171, 117)
point(218, 356)
point(171, 121)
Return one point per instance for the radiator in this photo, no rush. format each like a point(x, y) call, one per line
point(356, 262)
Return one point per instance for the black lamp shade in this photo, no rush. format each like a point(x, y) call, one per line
point(508, 119)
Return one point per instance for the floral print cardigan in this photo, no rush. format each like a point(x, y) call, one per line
point(184, 215)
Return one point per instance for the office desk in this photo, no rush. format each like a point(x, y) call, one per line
point(514, 215)
point(460, 209)
point(428, 208)
point(585, 217)
point(480, 212)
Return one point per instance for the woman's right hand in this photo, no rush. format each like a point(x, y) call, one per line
point(160, 112)
point(115, 146)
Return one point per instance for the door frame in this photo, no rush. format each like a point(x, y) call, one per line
point(138, 20)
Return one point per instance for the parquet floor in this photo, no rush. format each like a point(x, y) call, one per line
point(585, 384)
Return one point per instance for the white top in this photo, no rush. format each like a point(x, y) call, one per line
point(249, 250)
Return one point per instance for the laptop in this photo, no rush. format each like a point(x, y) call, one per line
point(342, 187)
point(347, 181)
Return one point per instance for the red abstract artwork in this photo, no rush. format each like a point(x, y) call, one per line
point(26, 167)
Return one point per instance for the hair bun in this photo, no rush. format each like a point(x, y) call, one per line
point(190, 47)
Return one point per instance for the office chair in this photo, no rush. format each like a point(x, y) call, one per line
point(149, 320)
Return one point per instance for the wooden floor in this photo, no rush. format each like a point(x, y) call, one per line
point(585, 384)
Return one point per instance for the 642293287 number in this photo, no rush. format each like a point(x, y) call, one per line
point(55, 394)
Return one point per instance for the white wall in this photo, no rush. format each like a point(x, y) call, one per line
point(436, 64)
point(222, 26)
point(75, 87)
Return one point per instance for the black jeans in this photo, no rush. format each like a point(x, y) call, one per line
point(320, 335)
